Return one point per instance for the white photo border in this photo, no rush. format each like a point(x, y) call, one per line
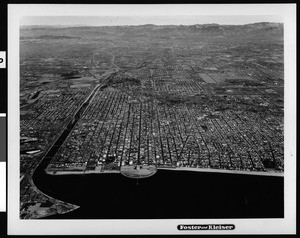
point(17, 226)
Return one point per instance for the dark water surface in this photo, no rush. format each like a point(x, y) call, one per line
point(166, 195)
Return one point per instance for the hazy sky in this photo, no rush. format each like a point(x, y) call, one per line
point(140, 20)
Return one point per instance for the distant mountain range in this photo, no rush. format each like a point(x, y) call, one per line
point(255, 31)
point(220, 29)
point(258, 25)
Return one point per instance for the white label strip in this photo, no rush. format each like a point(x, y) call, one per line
point(2, 186)
point(2, 114)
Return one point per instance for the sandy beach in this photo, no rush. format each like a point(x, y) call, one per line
point(206, 170)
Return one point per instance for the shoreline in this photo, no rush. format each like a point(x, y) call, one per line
point(242, 172)
point(81, 172)
point(206, 170)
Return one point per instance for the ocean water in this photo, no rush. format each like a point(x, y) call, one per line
point(166, 195)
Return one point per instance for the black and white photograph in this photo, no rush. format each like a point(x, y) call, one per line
point(142, 114)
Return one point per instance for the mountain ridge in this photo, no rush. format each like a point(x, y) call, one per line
point(278, 24)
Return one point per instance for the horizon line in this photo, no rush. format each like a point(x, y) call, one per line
point(93, 25)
